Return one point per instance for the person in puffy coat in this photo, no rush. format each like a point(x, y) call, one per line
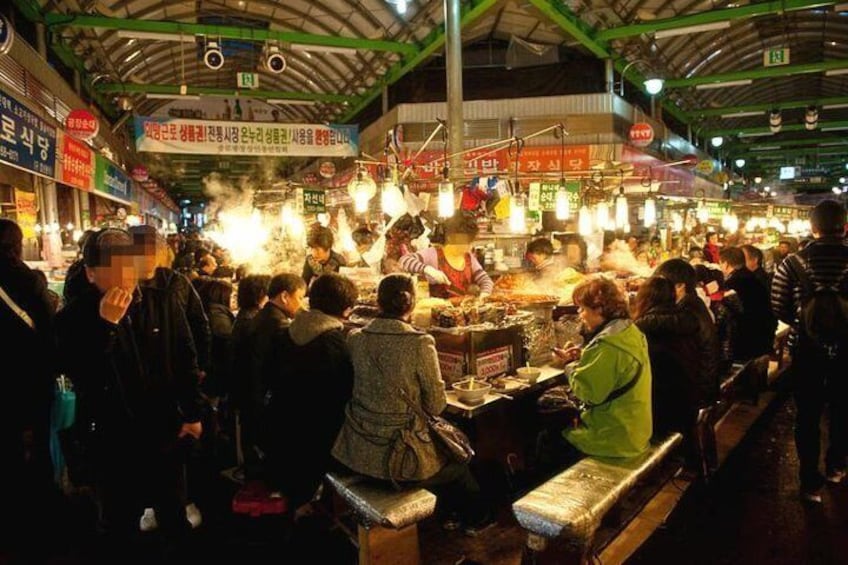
point(612, 377)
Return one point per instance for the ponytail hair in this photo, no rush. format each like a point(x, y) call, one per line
point(396, 295)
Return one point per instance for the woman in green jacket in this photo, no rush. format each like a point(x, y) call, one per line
point(613, 376)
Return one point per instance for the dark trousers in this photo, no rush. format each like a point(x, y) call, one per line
point(132, 478)
point(458, 492)
point(819, 384)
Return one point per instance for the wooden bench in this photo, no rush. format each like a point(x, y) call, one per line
point(569, 507)
point(387, 519)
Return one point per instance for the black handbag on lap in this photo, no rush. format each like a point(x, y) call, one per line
point(453, 441)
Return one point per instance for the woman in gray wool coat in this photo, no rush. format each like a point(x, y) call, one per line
point(382, 437)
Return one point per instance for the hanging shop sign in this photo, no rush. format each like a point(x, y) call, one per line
point(81, 124)
point(717, 209)
point(776, 56)
point(327, 169)
point(7, 35)
point(165, 135)
point(314, 202)
point(110, 179)
point(26, 212)
point(548, 159)
point(77, 164)
point(26, 141)
point(705, 167)
point(641, 134)
point(140, 173)
point(542, 196)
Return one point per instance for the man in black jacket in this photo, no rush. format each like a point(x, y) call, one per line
point(756, 324)
point(130, 354)
point(819, 372)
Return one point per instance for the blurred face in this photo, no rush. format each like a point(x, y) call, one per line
point(146, 263)
point(572, 253)
point(319, 254)
point(536, 259)
point(632, 243)
point(591, 317)
point(713, 239)
point(210, 265)
point(783, 248)
point(292, 302)
point(119, 271)
point(750, 261)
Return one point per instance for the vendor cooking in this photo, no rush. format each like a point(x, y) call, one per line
point(540, 255)
point(451, 269)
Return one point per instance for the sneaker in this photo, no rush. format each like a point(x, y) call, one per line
point(812, 496)
point(193, 515)
point(148, 522)
point(474, 530)
point(835, 476)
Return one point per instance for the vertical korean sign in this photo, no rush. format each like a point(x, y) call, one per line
point(77, 163)
point(110, 179)
point(26, 141)
point(542, 196)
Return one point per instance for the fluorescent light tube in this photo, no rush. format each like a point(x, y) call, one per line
point(837, 128)
point(760, 134)
point(154, 96)
point(292, 102)
point(128, 34)
point(835, 72)
point(742, 114)
point(323, 49)
point(765, 148)
point(840, 8)
point(834, 106)
point(711, 85)
point(691, 29)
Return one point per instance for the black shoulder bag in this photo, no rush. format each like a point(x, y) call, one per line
point(453, 441)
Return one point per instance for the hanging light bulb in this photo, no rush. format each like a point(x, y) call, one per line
point(602, 218)
point(446, 199)
point(621, 210)
point(584, 221)
point(362, 189)
point(650, 211)
point(517, 214)
point(676, 222)
point(703, 213)
point(563, 204)
point(392, 202)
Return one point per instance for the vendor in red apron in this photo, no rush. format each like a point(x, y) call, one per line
point(451, 269)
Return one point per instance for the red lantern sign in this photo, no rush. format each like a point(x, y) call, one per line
point(140, 173)
point(641, 134)
point(327, 169)
point(691, 160)
point(81, 124)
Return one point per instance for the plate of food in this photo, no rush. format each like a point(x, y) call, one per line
point(508, 384)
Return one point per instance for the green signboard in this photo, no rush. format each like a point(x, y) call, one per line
point(776, 56)
point(542, 196)
point(313, 201)
point(717, 209)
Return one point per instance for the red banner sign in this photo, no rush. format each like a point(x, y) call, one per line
point(641, 134)
point(81, 124)
point(548, 159)
point(140, 173)
point(77, 164)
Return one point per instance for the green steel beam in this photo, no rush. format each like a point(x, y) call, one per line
point(791, 143)
point(471, 12)
point(131, 88)
point(570, 22)
point(712, 16)
point(767, 72)
point(791, 127)
point(768, 155)
point(30, 9)
point(225, 32)
point(713, 112)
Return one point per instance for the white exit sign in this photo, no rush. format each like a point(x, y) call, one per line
point(776, 57)
point(247, 80)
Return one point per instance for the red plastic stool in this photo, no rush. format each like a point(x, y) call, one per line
point(254, 499)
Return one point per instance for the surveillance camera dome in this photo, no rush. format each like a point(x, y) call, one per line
point(274, 60)
point(213, 57)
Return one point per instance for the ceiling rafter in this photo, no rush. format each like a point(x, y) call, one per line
point(789, 104)
point(117, 88)
point(767, 72)
point(823, 125)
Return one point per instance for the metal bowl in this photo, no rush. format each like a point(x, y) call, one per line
point(468, 395)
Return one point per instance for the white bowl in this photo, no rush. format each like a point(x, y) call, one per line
point(529, 374)
point(475, 395)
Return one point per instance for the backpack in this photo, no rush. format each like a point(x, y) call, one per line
point(823, 310)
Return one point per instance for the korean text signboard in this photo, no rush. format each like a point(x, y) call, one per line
point(26, 141)
point(77, 163)
point(81, 124)
point(313, 201)
point(165, 135)
point(775, 57)
point(110, 179)
point(542, 196)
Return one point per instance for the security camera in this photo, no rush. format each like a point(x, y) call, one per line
point(213, 57)
point(274, 60)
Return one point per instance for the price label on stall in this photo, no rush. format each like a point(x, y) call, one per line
point(314, 201)
point(494, 362)
point(452, 366)
point(542, 196)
